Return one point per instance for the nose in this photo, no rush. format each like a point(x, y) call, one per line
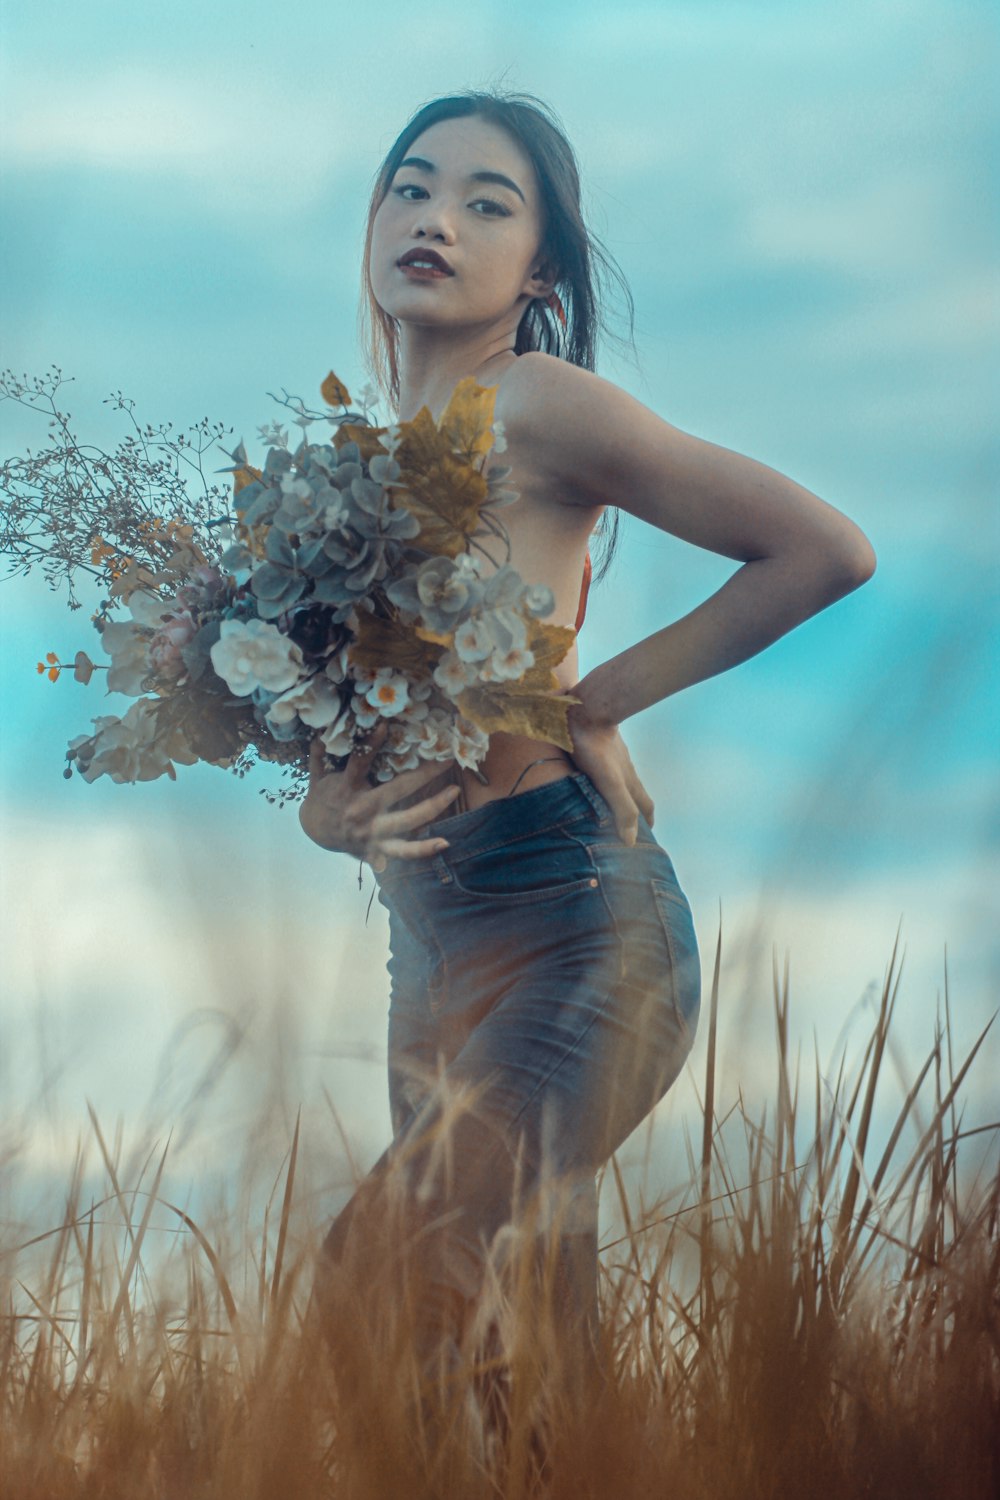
point(434, 222)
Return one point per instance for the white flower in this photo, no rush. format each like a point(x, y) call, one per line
point(129, 749)
point(389, 693)
point(499, 437)
point(361, 677)
point(473, 641)
point(407, 760)
point(504, 588)
point(434, 737)
point(339, 737)
point(273, 436)
point(147, 609)
point(453, 675)
point(315, 700)
point(128, 646)
point(365, 715)
point(416, 710)
point(538, 599)
point(507, 666)
point(336, 667)
point(367, 396)
point(469, 744)
point(506, 628)
point(254, 653)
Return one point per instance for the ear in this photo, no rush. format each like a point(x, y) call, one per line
point(542, 279)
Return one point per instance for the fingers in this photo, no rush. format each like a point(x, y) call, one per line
point(388, 827)
point(390, 823)
point(408, 849)
point(623, 810)
point(409, 782)
point(641, 797)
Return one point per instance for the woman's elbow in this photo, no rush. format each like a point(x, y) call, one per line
point(863, 560)
point(850, 562)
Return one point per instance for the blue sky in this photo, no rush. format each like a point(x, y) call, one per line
point(802, 199)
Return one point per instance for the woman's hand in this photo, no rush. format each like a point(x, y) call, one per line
point(342, 812)
point(599, 751)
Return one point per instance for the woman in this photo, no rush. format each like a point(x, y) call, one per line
point(545, 971)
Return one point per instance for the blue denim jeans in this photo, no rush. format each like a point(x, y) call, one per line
point(546, 987)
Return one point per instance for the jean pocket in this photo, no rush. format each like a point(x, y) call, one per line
point(528, 871)
point(685, 959)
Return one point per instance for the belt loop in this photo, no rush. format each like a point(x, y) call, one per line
point(594, 797)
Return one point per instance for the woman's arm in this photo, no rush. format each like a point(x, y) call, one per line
point(588, 440)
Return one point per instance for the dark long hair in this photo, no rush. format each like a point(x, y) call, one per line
point(577, 257)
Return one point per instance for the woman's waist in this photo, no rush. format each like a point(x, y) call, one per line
point(505, 816)
point(513, 765)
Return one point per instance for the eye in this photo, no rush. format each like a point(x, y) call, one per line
point(498, 209)
point(501, 208)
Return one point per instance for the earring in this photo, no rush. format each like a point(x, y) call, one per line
point(552, 300)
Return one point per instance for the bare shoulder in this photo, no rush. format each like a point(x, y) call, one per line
point(587, 435)
point(543, 403)
point(539, 390)
point(592, 443)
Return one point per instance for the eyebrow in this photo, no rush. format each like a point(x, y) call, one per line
point(481, 176)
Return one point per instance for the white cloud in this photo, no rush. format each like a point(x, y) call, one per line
point(256, 150)
point(881, 225)
point(959, 315)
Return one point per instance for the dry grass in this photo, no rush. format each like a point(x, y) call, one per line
point(804, 1320)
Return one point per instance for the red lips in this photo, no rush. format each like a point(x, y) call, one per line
point(436, 260)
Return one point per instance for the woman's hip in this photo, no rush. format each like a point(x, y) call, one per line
point(538, 891)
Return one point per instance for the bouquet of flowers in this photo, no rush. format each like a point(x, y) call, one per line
point(357, 581)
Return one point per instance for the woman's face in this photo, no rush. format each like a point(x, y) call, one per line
point(487, 231)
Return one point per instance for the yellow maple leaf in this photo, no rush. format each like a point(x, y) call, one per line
point(513, 708)
point(367, 438)
point(548, 644)
point(441, 488)
point(390, 643)
point(467, 419)
point(243, 477)
point(334, 391)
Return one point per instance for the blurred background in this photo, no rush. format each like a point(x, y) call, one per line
point(802, 199)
